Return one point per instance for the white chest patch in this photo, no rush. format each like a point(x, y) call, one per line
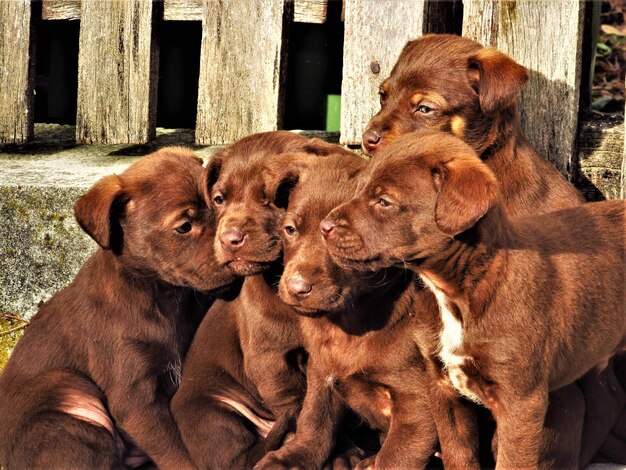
point(450, 341)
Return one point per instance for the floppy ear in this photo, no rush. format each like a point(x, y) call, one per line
point(210, 176)
point(284, 173)
point(98, 210)
point(498, 78)
point(467, 190)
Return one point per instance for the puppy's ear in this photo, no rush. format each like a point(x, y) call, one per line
point(97, 212)
point(284, 172)
point(466, 191)
point(498, 79)
point(210, 176)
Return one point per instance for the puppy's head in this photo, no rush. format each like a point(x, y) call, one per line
point(446, 83)
point(311, 283)
point(154, 218)
point(424, 189)
point(248, 187)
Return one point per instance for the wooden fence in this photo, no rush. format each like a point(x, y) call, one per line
point(243, 53)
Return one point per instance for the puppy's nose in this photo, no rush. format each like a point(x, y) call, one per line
point(298, 287)
point(371, 139)
point(327, 226)
point(232, 239)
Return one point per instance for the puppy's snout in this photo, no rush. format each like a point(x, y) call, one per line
point(232, 239)
point(298, 287)
point(371, 139)
point(327, 226)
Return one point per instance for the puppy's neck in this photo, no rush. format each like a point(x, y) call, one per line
point(379, 305)
point(463, 262)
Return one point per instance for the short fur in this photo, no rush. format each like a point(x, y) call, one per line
point(469, 91)
point(244, 374)
point(528, 304)
point(358, 331)
point(98, 364)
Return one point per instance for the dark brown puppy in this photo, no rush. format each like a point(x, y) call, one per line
point(100, 361)
point(453, 84)
point(431, 204)
point(245, 367)
point(358, 331)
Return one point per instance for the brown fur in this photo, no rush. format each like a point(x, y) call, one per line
point(539, 299)
point(245, 368)
point(98, 364)
point(358, 332)
point(470, 91)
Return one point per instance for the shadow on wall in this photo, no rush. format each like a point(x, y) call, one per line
point(552, 126)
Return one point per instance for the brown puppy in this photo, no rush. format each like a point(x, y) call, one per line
point(453, 84)
point(358, 332)
point(245, 367)
point(525, 308)
point(100, 361)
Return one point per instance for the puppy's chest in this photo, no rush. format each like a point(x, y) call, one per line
point(451, 345)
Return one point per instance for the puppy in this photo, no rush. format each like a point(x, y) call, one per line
point(455, 85)
point(96, 368)
point(528, 304)
point(358, 333)
point(245, 368)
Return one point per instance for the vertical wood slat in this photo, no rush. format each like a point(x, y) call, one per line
point(60, 10)
point(310, 11)
point(546, 37)
point(375, 33)
point(16, 72)
point(116, 72)
point(241, 60)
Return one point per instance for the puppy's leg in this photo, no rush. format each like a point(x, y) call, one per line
point(316, 427)
point(56, 440)
point(412, 436)
point(519, 421)
point(142, 410)
point(215, 434)
point(455, 420)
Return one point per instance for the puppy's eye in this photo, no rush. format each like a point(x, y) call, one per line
point(382, 96)
point(422, 108)
point(218, 199)
point(185, 227)
point(383, 202)
point(290, 230)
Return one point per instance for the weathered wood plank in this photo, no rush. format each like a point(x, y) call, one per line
point(375, 33)
point(241, 61)
point(600, 156)
point(531, 32)
point(117, 78)
point(310, 11)
point(60, 10)
point(304, 11)
point(16, 72)
point(182, 10)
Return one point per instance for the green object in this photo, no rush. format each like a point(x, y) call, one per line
point(333, 113)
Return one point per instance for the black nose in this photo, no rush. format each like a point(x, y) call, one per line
point(326, 226)
point(232, 239)
point(298, 287)
point(371, 139)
